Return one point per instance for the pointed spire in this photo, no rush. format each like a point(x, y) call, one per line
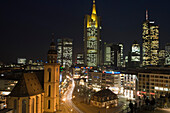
point(52, 37)
point(52, 45)
point(94, 7)
point(146, 14)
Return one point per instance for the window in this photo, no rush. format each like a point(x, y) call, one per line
point(24, 106)
point(37, 103)
point(32, 106)
point(15, 106)
point(49, 90)
point(49, 73)
point(48, 104)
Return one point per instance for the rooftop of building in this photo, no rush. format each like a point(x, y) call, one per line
point(28, 85)
point(156, 70)
point(5, 110)
point(105, 93)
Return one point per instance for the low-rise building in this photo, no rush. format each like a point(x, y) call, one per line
point(104, 98)
point(105, 79)
point(154, 83)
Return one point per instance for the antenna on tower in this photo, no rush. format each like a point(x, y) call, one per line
point(146, 14)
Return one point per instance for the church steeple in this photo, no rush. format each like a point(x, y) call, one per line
point(52, 52)
point(51, 81)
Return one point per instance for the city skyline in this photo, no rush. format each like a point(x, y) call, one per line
point(37, 20)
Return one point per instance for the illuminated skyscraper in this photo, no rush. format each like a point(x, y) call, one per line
point(65, 51)
point(162, 56)
point(92, 41)
point(121, 55)
point(167, 54)
point(80, 59)
point(112, 54)
point(135, 55)
point(150, 46)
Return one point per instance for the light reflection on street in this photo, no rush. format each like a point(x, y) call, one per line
point(68, 106)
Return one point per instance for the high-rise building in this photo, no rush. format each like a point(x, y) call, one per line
point(21, 61)
point(121, 55)
point(112, 54)
point(92, 40)
point(80, 59)
point(150, 46)
point(167, 54)
point(65, 51)
point(162, 57)
point(135, 55)
point(51, 80)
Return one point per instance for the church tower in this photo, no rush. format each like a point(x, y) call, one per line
point(51, 80)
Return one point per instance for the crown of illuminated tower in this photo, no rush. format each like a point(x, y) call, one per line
point(94, 15)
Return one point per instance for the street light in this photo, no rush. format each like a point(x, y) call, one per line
point(107, 107)
point(64, 99)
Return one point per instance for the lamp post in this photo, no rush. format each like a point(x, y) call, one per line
point(107, 107)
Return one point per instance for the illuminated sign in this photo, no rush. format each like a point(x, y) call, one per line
point(111, 72)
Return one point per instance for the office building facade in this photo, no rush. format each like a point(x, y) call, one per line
point(112, 55)
point(65, 51)
point(167, 54)
point(150, 45)
point(92, 39)
point(135, 55)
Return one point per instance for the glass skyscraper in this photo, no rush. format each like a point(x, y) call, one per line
point(92, 40)
point(150, 45)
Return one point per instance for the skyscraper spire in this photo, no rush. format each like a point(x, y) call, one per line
point(146, 14)
point(94, 15)
point(52, 37)
point(94, 7)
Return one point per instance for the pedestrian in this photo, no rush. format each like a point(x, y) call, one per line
point(165, 105)
point(147, 102)
point(152, 104)
point(135, 106)
point(131, 106)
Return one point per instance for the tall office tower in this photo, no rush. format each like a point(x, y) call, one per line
point(80, 59)
point(121, 55)
point(150, 38)
point(65, 51)
point(92, 40)
point(135, 55)
point(51, 81)
point(162, 57)
point(167, 54)
point(112, 55)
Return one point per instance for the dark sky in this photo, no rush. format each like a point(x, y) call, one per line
point(26, 25)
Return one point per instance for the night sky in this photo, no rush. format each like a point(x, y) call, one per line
point(26, 25)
